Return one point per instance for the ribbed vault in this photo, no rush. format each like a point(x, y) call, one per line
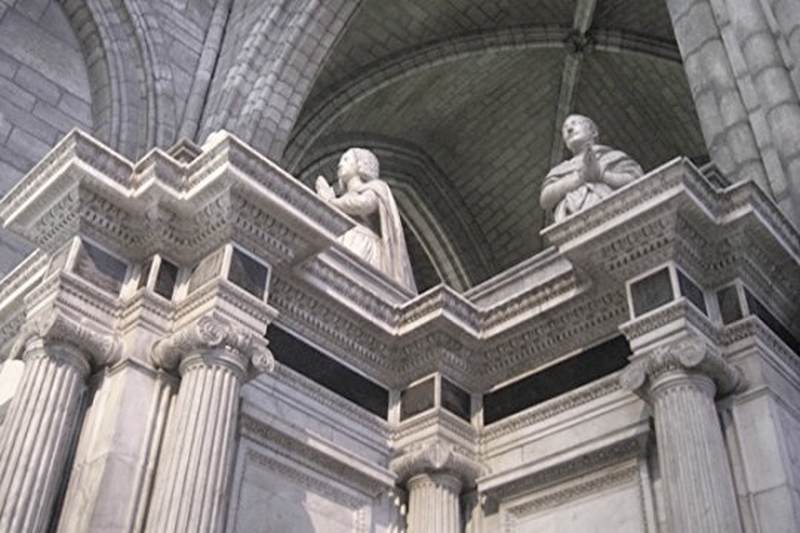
point(480, 88)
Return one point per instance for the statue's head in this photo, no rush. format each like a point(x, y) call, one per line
point(578, 131)
point(358, 162)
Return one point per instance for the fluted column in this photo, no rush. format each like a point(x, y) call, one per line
point(433, 503)
point(434, 477)
point(681, 381)
point(44, 417)
point(213, 358)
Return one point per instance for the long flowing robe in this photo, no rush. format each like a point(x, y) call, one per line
point(378, 238)
point(590, 193)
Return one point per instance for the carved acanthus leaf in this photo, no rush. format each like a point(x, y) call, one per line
point(438, 457)
point(53, 327)
point(688, 355)
point(207, 334)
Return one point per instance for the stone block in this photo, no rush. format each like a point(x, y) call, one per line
point(36, 84)
point(11, 92)
point(9, 176)
point(31, 45)
point(27, 145)
point(78, 109)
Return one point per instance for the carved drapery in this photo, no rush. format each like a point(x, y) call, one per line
point(214, 358)
point(680, 380)
point(44, 415)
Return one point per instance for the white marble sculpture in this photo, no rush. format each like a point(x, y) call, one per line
point(378, 237)
point(593, 172)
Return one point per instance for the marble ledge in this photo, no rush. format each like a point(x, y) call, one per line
point(605, 450)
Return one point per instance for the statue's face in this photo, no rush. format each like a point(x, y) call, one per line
point(348, 167)
point(577, 132)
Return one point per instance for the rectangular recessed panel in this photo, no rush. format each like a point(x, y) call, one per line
point(166, 279)
point(206, 270)
point(729, 306)
point(417, 398)
point(772, 322)
point(455, 399)
point(248, 274)
point(589, 365)
point(100, 268)
point(651, 292)
point(691, 292)
point(323, 369)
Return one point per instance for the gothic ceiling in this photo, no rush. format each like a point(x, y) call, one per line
point(478, 90)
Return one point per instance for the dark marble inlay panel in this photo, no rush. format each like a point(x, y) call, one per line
point(418, 398)
point(772, 322)
point(589, 365)
point(166, 279)
point(691, 292)
point(455, 399)
point(729, 306)
point(651, 292)
point(248, 274)
point(331, 374)
point(100, 268)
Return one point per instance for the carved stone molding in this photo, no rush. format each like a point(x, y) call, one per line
point(690, 355)
point(438, 457)
point(54, 327)
point(213, 338)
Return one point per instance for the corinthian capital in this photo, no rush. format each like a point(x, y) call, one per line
point(438, 457)
point(53, 327)
point(689, 355)
point(209, 334)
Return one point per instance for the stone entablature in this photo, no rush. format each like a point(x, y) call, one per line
point(560, 300)
point(179, 264)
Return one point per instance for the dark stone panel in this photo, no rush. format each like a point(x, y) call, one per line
point(772, 322)
point(100, 268)
point(651, 292)
point(729, 306)
point(331, 374)
point(247, 273)
point(692, 292)
point(587, 366)
point(455, 399)
point(166, 279)
point(417, 398)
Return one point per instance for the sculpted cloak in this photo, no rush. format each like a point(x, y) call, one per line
point(590, 193)
point(378, 238)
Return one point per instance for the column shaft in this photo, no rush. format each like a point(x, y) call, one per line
point(37, 436)
point(433, 505)
point(692, 455)
point(191, 483)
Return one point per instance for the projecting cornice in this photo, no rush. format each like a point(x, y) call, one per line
point(566, 298)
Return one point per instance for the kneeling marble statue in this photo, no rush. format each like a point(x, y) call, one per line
point(378, 237)
point(593, 172)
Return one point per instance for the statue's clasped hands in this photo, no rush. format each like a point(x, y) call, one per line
point(591, 170)
point(324, 190)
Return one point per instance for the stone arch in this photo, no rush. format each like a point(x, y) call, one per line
point(421, 189)
point(133, 103)
point(315, 121)
point(260, 99)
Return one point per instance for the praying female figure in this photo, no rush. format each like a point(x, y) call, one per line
point(593, 172)
point(378, 237)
